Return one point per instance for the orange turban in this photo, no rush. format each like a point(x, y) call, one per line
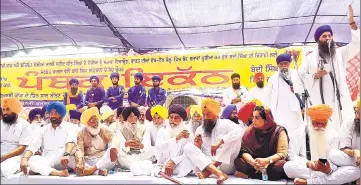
point(212, 106)
point(320, 113)
point(13, 104)
point(256, 76)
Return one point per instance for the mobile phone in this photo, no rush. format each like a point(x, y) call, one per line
point(324, 161)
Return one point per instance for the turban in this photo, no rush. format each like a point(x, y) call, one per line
point(196, 109)
point(74, 80)
point(142, 109)
point(212, 106)
point(139, 76)
point(114, 75)
point(156, 77)
point(320, 113)
point(256, 76)
point(70, 107)
point(104, 108)
point(246, 111)
point(120, 110)
point(107, 114)
point(94, 77)
point(128, 110)
point(148, 115)
point(88, 113)
point(74, 114)
point(13, 104)
point(160, 110)
point(43, 111)
point(285, 57)
point(178, 109)
point(235, 75)
point(33, 113)
point(228, 111)
point(357, 103)
point(257, 102)
point(320, 30)
point(59, 107)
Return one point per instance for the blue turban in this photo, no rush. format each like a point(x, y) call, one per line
point(283, 57)
point(228, 111)
point(114, 74)
point(74, 114)
point(94, 77)
point(43, 111)
point(139, 75)
point(156, 77)
point(322, 29)
point(33, 113)
point(74, 80)
point(58, 106)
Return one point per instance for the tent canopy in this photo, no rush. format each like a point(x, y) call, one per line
point(168, 24)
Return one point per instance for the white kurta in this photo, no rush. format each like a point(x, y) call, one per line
point(258, 93)
point(282, 101)
point(230, 94)
point(232, 135)
point(19, 133)
point(348, 137)
point(310, 66)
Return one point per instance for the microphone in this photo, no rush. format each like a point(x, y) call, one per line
point(286, 77)
point(329, 43)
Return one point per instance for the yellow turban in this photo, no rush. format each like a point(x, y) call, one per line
point(196, 109)
point(320, 113)
point(107, 114)
point(357, 103)
point(212, 106)
point(257, 102)
point(160, 110)
point(13, 104)
point(70, 107)
point(87, 114)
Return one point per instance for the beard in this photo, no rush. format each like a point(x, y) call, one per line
point(236, 85)
point(356, 126)
point(156, 85)
point(10, 119)
point(141, 121)
point(260, 84)
point(208, 126)
point(195, 125)
point(93, 131)
point(131, 126)
point(324, 51)
point(115, 83)
point(37, 123)
point(318, 142)
point(175, 130)
point(55, 121)
point(73, 90)
point(235, 120)
point(136, 83)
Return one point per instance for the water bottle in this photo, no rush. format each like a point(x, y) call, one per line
point(264, 175)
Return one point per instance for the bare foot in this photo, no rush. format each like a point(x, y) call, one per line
point(204, 174)
point(103, 172)
point(300, 181)
point(221, 178)
point(240, 175)
point(64, 173)
point(358, 181)
point(89, 171)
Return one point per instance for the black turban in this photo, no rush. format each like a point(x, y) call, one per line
point(128, 110)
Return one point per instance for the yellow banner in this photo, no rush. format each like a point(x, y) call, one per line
point(47, 79)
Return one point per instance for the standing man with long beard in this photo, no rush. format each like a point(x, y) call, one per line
point(156, 94)
point(324, 71)
point(115, 93)
point(74, 96)
point(258, 92)
point(137, 93)
point(95, 95)
point(236, 94)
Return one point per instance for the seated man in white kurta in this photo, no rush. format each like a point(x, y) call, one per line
point(309, 151)
point(159, 115)
point(196, 117)
point(347, 158)
point(58, 139)
point(16, 135)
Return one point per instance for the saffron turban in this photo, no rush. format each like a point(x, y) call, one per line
point(256, 76)
point(228, 111)
point(33, 113)
point(70, 107)
point(160, 110)
point(74, 114)
point(148, 115)
point(196, 109)
point(139, 76)
point(59, 107)
point(88, 113)
point(320, 113)
point(320, 30)
point(74, 80)
point(13, 104)
point(114, 75)
point(156, 77)
point(211, 105)
point(178, 109)
point(94, 77)
point(246, 111)
point(128, 110)
point(107, 114)
point(285, 57)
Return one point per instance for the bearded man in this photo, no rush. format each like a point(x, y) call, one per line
point(16, 135)
point(58, 139)
point(324, 71)
point(137, 93)
point(35, 118)
point(245, 115)
point(95, 95)
point(75, 116)
point(258, 92)
point(230, 113)
point(196, 116)
point(236, 94)
point(159, 116)
point(115, 94)
point(156, 94)
point(74, 96)
point(309, 151)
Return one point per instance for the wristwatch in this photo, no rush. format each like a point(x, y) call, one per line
point(66, 154)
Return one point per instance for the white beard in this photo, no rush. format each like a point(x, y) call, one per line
point(93, 131)
point(38, 123)
point(131, 127)
point(173, 132)
point(318, 143)
point(195, 125)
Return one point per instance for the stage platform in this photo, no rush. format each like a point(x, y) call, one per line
point(124, 178)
